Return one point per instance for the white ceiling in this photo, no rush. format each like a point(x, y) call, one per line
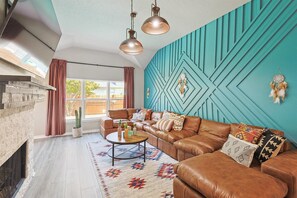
point(100, 25)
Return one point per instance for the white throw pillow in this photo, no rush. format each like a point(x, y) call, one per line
point(138, 116)
point(241, 151)
point(166, 115)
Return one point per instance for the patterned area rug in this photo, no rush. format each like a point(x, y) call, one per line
point(133, 178)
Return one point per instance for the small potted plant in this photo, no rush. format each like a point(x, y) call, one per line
point(77, 130)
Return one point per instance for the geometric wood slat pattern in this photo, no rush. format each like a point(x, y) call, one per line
point(218, 60)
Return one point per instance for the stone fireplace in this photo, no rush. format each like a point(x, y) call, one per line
point(18, 95)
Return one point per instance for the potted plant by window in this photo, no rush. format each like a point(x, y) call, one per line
point(77, 130)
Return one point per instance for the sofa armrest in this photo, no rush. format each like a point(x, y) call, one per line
point(106, 122)
point(284, 167)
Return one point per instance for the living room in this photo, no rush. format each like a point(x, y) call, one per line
point(115, 99)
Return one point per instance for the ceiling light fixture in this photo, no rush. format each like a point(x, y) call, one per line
point(155, 24)
point(131, 45)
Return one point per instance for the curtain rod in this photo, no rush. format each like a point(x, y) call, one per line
point(97, 65)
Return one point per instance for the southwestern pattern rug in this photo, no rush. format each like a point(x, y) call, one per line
point(133, 178)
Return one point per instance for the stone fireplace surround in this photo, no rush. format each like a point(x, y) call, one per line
point(18, 95)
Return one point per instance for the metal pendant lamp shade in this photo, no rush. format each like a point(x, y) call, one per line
point(131, 45)
point(155, 24)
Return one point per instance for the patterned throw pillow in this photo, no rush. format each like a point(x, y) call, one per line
point(269, 146)
point(138, 116)
point(164, 125)
point(166, 115)
point(240, 150)
point(147, 112)
point(178, 121)
point(248, 134)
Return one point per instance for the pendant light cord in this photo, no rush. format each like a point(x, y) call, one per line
point(132, 16)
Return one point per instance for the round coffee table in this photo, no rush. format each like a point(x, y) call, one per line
point(127, 148)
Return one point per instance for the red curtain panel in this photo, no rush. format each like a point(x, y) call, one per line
point(129, 87)
point(56, 99)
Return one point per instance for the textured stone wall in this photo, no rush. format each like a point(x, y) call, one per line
point(17, 128)
point(17, 102)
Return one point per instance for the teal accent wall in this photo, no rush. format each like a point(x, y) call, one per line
point(229, 64)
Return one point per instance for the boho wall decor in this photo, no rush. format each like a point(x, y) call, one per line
point(182, 83)
point(147, 92)
point(278, 88)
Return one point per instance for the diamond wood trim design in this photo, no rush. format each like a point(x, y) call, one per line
point(219, 59)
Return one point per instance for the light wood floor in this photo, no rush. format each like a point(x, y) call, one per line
point(63, 169)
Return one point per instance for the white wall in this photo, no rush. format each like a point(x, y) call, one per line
point(94, 73)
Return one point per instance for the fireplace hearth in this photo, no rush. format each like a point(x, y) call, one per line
point(13, 173)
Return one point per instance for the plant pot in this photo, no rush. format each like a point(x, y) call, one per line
point(77, 132)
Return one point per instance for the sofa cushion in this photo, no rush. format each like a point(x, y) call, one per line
point(217, 175)
point(192, 123)
point(149, 122)
point(269, 146)
point(130, 112)
point(215, 130)
point(164, 125)
point(118, 114)
point(284, 167)
point(150, 129)
point(240, 150)
point(198, 144)
point(139, 125)
point(173, 135)
point(247, 133)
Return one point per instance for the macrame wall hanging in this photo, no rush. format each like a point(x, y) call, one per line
point(278, 88)
point(182, 83)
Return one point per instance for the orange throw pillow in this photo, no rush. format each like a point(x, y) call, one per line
point(248, 134)
point(147, 112)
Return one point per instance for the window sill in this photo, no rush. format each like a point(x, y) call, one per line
point(86, 119)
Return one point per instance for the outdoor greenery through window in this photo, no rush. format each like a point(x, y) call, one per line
point(95, 97)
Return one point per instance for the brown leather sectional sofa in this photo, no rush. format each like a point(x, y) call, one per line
point(203, 170)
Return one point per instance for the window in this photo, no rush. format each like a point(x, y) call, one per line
point(95, 97)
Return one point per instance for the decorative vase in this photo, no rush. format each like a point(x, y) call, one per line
point(134, 130)
point(119, 132)
point(76, 132)
point(126, 133)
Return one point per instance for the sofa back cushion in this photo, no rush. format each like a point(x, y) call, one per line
point(214, 130)
point(118, 114)
point(130, 112)
point(192, 123)
point(156, 116)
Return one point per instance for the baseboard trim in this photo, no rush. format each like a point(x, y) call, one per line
point(38, 137)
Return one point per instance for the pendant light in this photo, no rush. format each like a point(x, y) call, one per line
point(155, 24)
point(131, 45)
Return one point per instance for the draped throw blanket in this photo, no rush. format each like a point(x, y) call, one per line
point(129, 87)
point(56, 99)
